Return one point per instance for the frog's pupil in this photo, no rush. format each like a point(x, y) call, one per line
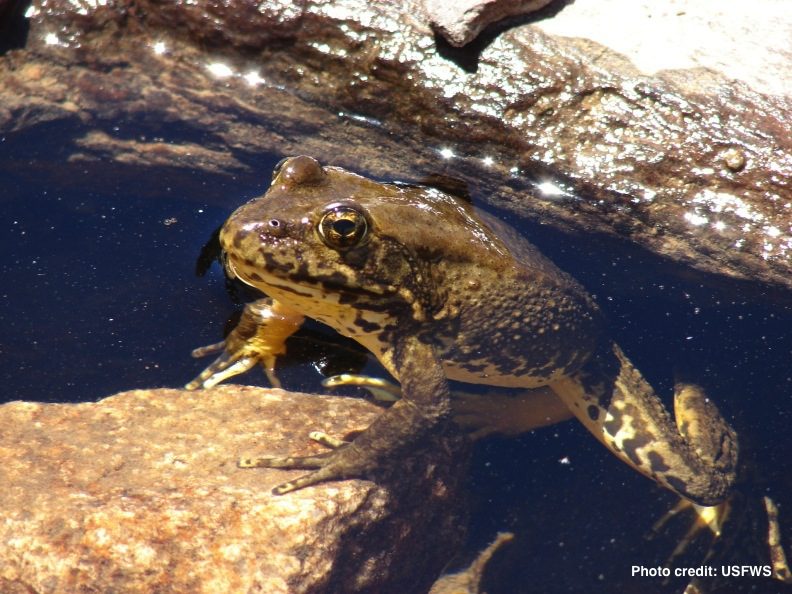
point(344, 227)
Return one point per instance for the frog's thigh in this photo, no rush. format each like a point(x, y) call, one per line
point(508, 414)
point(696, 457)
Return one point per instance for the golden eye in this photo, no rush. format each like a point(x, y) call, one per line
point(343, 226)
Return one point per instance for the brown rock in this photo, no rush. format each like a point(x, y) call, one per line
point(140, 492)
point(461, 21)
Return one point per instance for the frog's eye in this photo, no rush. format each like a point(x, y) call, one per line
point(343, 226)
point(278, 167)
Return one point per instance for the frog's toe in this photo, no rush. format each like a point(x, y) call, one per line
point(225, 366)
point(286, 462)
point(329, 466)
point(321, 475)
point(380, 389)
point(327, 440)
point(209, 349)
point(345, 462)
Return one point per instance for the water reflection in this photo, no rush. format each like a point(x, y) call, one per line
point(729, 213)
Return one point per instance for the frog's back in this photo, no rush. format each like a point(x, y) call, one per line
point(519, 320)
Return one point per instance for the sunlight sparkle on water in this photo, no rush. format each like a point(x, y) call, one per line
point(219, 69)
point(549, 189)
point(695, 219)
point(253, 78)
point(773, 231)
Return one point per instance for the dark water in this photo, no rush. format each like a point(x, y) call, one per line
point(99, 294)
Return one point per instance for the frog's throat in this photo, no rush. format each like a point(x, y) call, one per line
point(321, 289)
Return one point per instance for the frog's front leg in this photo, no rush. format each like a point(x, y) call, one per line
point(425, 404)
point(696, 457)
point(259, 337)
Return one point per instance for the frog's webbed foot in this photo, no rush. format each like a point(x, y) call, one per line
point(258, 338)
point(744, 528)
point(323, 464)
point(704, 520)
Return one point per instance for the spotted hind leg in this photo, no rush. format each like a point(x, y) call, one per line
point(695, 457)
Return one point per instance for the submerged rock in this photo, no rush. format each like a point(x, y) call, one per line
point(140, 492)
point(468, 581)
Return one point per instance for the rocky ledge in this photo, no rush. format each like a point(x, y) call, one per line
point(665, 124)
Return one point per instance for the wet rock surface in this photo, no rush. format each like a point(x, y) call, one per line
point(140, 492)
point(690, 164)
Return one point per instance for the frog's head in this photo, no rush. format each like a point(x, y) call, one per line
point(328, 242)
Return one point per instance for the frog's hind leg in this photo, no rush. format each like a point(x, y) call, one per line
point(509, 414)
point(493, 412)
point(696, 457)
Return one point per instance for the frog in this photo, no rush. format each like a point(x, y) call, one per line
point(438, 291)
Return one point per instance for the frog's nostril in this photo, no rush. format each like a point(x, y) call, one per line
point(273, 228)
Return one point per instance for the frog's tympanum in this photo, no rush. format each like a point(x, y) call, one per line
point(437, 290)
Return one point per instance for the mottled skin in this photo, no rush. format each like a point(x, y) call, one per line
point(436, 290)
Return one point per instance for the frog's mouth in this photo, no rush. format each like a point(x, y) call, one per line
point(352, 311)
point(301, 282)
point(328, 298)
point(228, 267)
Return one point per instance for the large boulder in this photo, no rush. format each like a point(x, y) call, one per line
point(140, 492)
